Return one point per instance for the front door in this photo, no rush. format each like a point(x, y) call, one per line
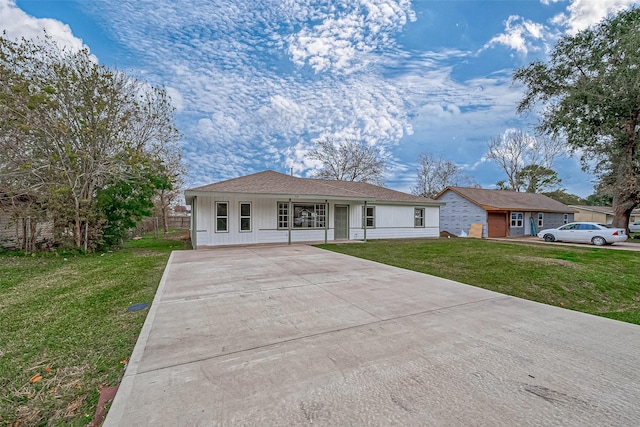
point(341, 222)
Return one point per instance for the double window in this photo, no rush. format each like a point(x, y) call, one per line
point(304, 215)
point(565, 219)
point(517, 219)
point(418, 217)
point(222, 217)
point(369, 214)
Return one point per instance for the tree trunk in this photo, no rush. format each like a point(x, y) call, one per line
point(626, 192)
point(77, 236)
point(33, 224)
point(164, 209)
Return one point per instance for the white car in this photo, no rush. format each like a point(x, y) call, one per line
point(585, 232)
point(634, 227)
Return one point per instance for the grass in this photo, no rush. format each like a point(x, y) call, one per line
point(64, 328)
point(64, 324)
point(599, 281)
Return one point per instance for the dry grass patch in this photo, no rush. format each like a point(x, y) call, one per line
point(541, 261)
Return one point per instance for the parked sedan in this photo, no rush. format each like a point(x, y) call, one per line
point(634, 227)
point(585, 232)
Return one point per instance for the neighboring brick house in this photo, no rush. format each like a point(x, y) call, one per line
point(501, 213)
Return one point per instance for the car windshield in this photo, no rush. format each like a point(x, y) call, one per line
point(606, 225)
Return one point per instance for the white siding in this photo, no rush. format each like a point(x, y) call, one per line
point(392, 221)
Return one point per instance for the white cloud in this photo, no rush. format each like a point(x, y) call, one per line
point(584, 13)
point(519, 35)
point(177, 100)
point(17, 24)
point(344, 36)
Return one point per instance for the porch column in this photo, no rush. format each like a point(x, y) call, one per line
point(194, 223)
point(289, 218)
point(364, 220)
point(326, 220)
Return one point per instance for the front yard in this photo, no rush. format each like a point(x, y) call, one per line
point(65, 331)
point(599, 281)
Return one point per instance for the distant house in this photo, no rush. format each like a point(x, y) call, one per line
point(20, 228)
point(270, 207)
point(602, 214)
point(501, 213)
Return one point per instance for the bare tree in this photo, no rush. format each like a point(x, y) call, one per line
point(349, 160)
point(515, 149)
point(435, 174)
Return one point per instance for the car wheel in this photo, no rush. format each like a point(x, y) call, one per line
point(549, 238)
point(599, 241)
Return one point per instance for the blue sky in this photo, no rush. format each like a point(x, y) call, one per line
point(255, 83)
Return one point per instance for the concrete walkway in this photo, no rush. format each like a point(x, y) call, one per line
point(294, 335)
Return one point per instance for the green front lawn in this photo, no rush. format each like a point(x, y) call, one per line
point(64, 327)
point(599, 281)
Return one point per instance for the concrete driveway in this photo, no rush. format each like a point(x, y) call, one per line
point(295, 335)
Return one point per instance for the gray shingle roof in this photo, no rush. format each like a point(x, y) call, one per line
point(509, 200)
point(608, 210)
point(275, 183)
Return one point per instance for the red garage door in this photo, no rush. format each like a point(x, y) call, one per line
point(497, 224)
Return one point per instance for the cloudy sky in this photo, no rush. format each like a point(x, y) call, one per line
point(256, 82)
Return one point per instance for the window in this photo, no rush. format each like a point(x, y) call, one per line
point(222, 217)
point(245, 216)
point(570, 227)
point(588, 227)
point(369, 216)
point(305, 215)
point(283, 215)
point(418, 216)
point(517, 219)
point(565, 219)
point(540, 219)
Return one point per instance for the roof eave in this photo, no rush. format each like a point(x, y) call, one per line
point(189, 194)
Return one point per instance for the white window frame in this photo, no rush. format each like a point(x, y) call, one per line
point(540, 219)
point(315, 215)
point(366, 217)
point(283, 215)
point(244, 217)
point(225, 217)
point(517, 219)
point(418, 215)
point(565, 219)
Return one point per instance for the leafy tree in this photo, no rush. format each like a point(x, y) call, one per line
point(599, 197)
point(562, 196)
point(124, 202)
point(516, 150)
point(435, 174)
point(71, 128)
point(535, 178)
point(591, 96)
point(349, 160)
